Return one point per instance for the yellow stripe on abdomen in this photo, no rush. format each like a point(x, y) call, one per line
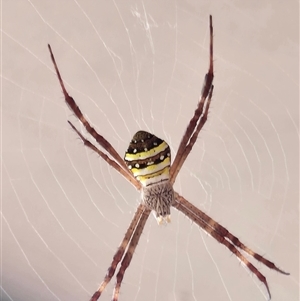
point(146, 154)
point(151, 169)
point(156, 177)
point(149, 158)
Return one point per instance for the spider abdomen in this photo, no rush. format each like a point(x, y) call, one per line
point(148, 157)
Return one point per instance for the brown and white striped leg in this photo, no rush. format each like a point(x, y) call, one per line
point(121, 250)
point(129, 254)
point(223, 236)
point(113, 163)
point(73, 106)
point(199, 118)
point(224, 232)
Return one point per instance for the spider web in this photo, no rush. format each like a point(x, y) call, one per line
point(133, 66)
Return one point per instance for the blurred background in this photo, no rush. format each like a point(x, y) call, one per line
point(140, 65)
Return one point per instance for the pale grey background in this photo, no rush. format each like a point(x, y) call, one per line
point(140, 65)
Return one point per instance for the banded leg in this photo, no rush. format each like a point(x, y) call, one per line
point(129, 254)
point(73, 106)
point(224, 232)
point(121, 250)
point(113, 163)
point(223, 236)
point(199, 118)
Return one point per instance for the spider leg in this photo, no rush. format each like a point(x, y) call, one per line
point(175, 170)
point(130, 233)
point(127, 175)
point(73, 106)
point(129, 254)
point(223, 236)
point(224, 232)
point(199, 118)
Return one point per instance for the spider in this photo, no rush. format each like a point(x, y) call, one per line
point(147, 166)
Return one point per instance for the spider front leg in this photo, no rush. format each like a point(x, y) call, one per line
point(223, 236)
point(200, 115)
point(129, 254)
point(129, 238)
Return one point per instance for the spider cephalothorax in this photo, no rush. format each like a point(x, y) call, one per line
point(159, 197)
point(149, 159)
point(147, 166)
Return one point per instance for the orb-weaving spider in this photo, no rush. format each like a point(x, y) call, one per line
point(147, 166)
